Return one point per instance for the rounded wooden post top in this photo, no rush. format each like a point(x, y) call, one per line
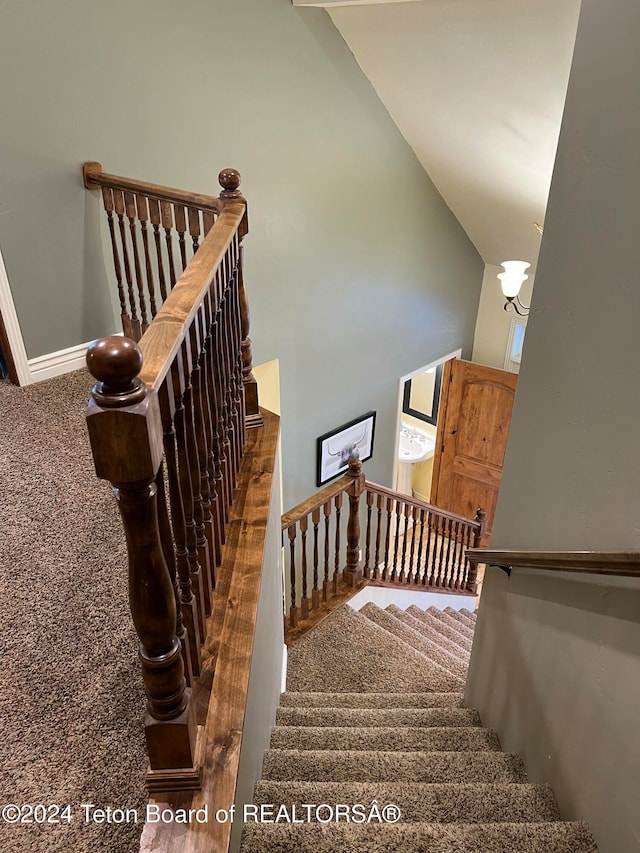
point(355, 467)
point(115, 363)
point(229, 180)
point(480, 515)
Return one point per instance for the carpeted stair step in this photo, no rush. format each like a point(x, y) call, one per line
point(557, 837)
point(372, 700)
point(420, 802)
point(470, 614)
point(367, 717)
point(397, 738)
point(367, 766)
point(432, 652)
point(461, 618)
point(443, 628)
point(363, 658)
point(448, 619)
point(459, 652)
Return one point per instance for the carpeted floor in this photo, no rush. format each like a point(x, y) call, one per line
point(71, 698)
point(370, 737)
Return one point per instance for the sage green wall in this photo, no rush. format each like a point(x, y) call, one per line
point(357, 271)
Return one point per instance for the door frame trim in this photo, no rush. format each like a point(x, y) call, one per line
point(440, 360)
point(13, 332)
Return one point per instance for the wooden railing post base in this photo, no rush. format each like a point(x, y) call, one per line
point(353, 579)
point(170, 741)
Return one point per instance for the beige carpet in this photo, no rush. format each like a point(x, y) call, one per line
point(390, 727)
point(71, 701)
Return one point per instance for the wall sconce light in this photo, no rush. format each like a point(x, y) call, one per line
point(512, 280)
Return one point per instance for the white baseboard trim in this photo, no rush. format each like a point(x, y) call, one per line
point(57, 363)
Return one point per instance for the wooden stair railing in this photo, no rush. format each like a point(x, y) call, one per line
point(159, 230)
point(167, 428)
point(406, 543)
point(614, 563)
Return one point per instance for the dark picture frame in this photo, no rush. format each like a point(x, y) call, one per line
point(430, 417)
point(337, 447)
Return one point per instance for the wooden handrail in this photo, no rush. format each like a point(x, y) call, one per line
point(94, 178)
point(161, 341)
point(316, 501)
point(383, 490)
point(621, 563)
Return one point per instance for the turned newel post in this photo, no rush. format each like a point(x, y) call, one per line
point(229, 180)
point(353, 573)
point(125, 429)
point(472, 575)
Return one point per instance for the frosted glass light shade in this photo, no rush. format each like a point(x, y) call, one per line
point(513, 277)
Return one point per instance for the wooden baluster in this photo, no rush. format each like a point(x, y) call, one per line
point(472, 575)
point(420, 570)
point(396, 538)
point(337, 502)
point(204, 557)
point(181, 228)
point(118, 203)
point(467, 544)
point(406, 510)
point(293, 612)
point(166, 212)
point(304, 603)
point(194, 227)
point(107, 200)
point(125, 430)
point(208, 220)
point(442, 524)
point(216, 337)
point(190, 641)
point(225, 359)
point(210, 420)
point(379, 503)
point(230, 182)
point(353, 573)
point(326, 593)
point(457, 556)
point(178, 382)
point(154, 215)
point(143, 216)
point(413, 572)
point(315, 594)
point(201, 426)
point(166, 538)
point(130, 206)
point(387, 540)
point(433, 528)
point(367, 538)
point(446, 580)
point(238, 388)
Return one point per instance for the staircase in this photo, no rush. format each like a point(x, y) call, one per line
point(390, 728)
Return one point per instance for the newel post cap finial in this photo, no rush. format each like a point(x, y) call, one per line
point(229, 180)
point(115, 362)
point(355, 467)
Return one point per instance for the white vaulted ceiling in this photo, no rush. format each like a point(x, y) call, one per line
point(477, 88)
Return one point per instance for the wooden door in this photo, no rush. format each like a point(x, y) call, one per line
point(473, 427)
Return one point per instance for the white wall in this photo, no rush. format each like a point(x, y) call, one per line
point(572, 468)
point(493, 322)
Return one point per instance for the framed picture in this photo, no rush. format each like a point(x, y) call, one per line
point(337, 447)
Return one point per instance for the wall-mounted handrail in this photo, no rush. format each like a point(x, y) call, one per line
point(621, 563)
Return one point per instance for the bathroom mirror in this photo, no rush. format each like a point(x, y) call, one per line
point(422, 395)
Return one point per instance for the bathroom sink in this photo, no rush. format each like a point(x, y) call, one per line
point(415, 445)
